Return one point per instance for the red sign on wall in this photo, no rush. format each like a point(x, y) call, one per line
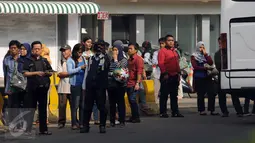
point(102, 15)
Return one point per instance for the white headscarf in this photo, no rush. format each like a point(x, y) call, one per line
point(197, 54)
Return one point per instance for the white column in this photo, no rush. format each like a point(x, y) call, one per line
point(206, 32)
point(107, 27)
point(74, 27)
point(140, 31)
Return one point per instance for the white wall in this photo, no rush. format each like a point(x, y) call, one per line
point(162, 8)
point(28, 28)
point(74, 32)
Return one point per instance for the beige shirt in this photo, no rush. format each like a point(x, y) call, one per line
point(64, 86)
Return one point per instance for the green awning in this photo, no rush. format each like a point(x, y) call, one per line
point(43, 7)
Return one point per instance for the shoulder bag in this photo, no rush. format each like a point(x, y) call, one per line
point(18, 81)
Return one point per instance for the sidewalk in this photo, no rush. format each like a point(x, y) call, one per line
point(188, 102)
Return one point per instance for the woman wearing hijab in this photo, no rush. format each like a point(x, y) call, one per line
point(117, 89)
point(25, 52)
point(202, 81)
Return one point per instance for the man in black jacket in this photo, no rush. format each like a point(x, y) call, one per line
point(95, 84)
point(222, 94)
point(37, 70)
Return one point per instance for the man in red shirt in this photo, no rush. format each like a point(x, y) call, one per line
point(168, 63)
point(135, 68)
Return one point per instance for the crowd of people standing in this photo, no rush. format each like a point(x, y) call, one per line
point(88, 77)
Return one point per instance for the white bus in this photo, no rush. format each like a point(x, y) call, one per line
point(238, 41)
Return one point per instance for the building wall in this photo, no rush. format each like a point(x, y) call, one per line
point(28, 28)
point(162, 8)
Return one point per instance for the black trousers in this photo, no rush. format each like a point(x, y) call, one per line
point(204, 86)
point(169, 86)
point(93, 95)
point(116, 96)
point(235, 101)
point(14, 107)
point(40, 95)
point(247, 106)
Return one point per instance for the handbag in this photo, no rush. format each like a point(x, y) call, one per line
point(212, 71)
point(18, 81)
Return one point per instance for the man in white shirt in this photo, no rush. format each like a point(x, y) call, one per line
point(64, 86)
point(156, 70)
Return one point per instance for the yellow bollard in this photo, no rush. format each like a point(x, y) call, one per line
point(149, 90)
point(128, 109)
point(150, 98)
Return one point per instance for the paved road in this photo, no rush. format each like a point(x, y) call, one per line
point(191, 129)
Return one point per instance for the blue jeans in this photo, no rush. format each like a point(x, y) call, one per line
point(132, 101)
point(76, 102)
point(142, 96)
point(95, 112)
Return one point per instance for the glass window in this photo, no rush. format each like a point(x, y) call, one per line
point(121, 27)
point(186, 32)
point(88, 26)
point(214, 33)
point(151, 29)
point(199, 27)
point(168, 25)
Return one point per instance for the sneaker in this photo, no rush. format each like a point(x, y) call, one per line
point(75, 127)
point(239, 114)
point(112, 125)
point(60, 126)
point(96, 123)
point(246, 114)
point(203, 113)
point(225, 115)
point(137, 120)
point(102, 129)
point(215, 114)
point(177, 115)
point(122, 125)
point(164, 115)
point(45, 133)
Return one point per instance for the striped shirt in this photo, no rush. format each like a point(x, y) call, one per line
point(113, 65)
point(121, 64)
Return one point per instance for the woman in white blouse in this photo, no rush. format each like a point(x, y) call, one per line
point(87, 45)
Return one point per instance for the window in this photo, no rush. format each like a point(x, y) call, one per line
point(168, 25)
point(214, 33)
point(88, 26)
point(151, 29)
point(186, 32)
